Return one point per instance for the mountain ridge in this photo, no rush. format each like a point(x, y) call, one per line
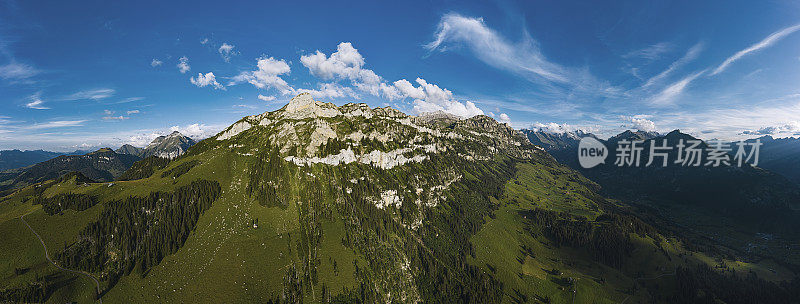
point(101, 165)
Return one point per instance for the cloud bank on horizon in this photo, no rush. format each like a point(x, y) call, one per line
point(524, 66)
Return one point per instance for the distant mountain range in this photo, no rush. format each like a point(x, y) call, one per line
point(703, 201)
point(102, 165)
point(780, 155)
point(12, 159)
point(676, 179)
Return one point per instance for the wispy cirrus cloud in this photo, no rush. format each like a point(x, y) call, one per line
point(770, 40)
point(56, 124)
point(668, 95)
point(130, 99)
point(36, 102)
point(651, 52)
point(93, 94)
point(523, 58)
point(690, 55)
point(266, 98)
point(16, 71)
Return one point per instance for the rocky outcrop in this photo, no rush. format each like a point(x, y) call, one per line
point(309, 132)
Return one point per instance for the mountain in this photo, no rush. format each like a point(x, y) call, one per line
point(561, 145)
point(738, 190)
point(351, 204)
point(704, 201)
point(128, 149)
point(780, 155)
point(13, 159)
point(102, 165)
point(633, 135)
point(555, 141)
point(169, 146)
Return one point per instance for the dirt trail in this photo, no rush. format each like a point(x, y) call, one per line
point(47, 255)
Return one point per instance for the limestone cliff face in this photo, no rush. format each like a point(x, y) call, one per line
point(384, 137)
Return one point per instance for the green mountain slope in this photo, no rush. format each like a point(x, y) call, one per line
point(350, 204)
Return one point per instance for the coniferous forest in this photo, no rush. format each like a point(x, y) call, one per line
point(136, 233)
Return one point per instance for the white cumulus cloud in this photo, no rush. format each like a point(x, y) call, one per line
point(348, 63)
point(183, 65)
point(226, 51)
point(345, 62)
point(504, 118)
point(639, 122)
point(435, 99)
point(196, 131)
point(206, 80)
point(329, 90)
point(156, 62)
point(267, 75)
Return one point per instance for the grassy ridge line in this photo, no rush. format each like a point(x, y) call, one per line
point(47, 255)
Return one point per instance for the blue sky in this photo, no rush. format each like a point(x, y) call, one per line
point(88, 74)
